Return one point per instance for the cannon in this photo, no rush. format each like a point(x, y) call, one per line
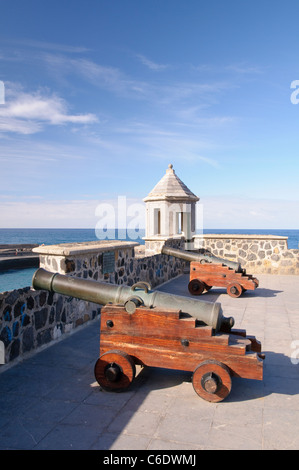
point(207, 270)
point(151, 328)
point(102, 293)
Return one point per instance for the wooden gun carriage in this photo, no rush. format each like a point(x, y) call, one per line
point(169, 339)
point(207, 271)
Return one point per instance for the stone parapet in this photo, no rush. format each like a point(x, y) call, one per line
point(267, 254)
point(98, 260)
point(32, 319)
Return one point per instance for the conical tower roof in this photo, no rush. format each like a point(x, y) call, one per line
point(170, 187)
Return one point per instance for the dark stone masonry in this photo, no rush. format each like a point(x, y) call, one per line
point(256, 253)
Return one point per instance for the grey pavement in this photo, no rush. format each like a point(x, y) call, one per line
point(51, 401)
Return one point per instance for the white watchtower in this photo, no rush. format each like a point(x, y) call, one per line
point(170, 210)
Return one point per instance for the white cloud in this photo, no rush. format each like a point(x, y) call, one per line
point(243, 68)
point(167, 143)
point(159, 94)
point(19, 126)
point(221, 212)
point(49, 46)
point(245, 212)
point(101, 76)
point(77, 213)
point(27, 113)
point(150, 64)
point(46, 214)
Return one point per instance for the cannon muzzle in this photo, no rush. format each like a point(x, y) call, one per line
point(202, 258)
point(139, 294)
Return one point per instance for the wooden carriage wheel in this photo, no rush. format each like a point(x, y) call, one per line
point(234, 290)
point(196, 287)
point(115, 371)
point(212, 381)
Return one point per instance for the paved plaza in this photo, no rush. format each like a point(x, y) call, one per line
point(51, 401)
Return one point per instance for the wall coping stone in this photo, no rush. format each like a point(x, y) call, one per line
point(79, 248)
point(241, 236)
point(163, 238)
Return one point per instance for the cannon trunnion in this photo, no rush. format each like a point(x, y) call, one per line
point(169, 339)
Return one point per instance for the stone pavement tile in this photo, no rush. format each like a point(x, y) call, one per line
point(152, 401)
point(190, 430)
point(237, 421)
point(282, 369)
point(101, 398)
point(31, 387)
point(281, 393)
point(253, 329)
point(237, 414)
point(186, 402)
point(160, 380)
point(291, 302)
point(277, 340)
point(233, 436)
point(66, 354)
point(62, 354)
point(278, 353)
point(11, 407)
point(23, 434)
point(251, 392)
point(31, 370)
point(280, 430)
point(294, 324)
point(160, 444)
point(136, 423)
point(68, 437)
point(115, 441)
point(77, 387)
point(92, 416)
point(48, 411)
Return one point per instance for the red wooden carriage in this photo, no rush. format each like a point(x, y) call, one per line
point(172, 340)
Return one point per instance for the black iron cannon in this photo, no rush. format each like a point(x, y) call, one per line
point(201, 258)
point(207, 270)
point(102, 293)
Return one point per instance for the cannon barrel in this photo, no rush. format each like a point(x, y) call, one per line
point(201, 258)
point(103, 293)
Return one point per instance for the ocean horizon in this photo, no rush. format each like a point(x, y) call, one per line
point(19, 278)
point(51, 236)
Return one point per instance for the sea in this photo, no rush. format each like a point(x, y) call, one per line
point(19, 278)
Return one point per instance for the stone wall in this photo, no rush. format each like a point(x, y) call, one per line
point(32, 319)
point(257, 253)
point(111, 261)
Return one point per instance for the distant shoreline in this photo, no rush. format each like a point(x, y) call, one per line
point(18, 256)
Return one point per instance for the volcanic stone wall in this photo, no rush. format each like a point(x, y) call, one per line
point(257, 253)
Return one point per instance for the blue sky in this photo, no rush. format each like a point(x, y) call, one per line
point(100, 96)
